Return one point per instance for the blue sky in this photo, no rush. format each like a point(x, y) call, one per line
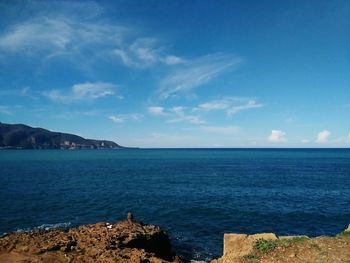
point(180, 73)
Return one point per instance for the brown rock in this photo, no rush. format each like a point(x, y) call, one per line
point(235, 245)
point(239, 245)
point(125, 241)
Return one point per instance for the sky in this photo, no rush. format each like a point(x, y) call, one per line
point(161, 73)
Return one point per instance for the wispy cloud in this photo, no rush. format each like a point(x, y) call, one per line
point(194, 74)
point(172, 60)
point(231, 105)
point(58, 36)
point(176, 114)
point(322, 137)
point(156, 110)
point(5, 110)
point(84, 91)
point(145, 52)
point(179, 115)
point(277, 136)
point(76, 39)
point(120, 118)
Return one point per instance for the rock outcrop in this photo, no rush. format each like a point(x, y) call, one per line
point(268, 248)
point(125, 241)
point(239, 245)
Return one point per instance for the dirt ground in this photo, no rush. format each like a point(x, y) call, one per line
point(313, 250)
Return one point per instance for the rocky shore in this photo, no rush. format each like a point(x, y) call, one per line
point(125, 241)
point(134, 242)
point(268, 248)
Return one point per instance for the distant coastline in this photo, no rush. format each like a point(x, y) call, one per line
point(20, 137)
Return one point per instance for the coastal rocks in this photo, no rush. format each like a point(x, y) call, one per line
point(240, 245)
point(268, 248)
point(125, 241)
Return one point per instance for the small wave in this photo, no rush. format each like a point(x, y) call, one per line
point(45, 227)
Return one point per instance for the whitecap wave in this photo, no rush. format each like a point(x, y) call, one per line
point(45, 227)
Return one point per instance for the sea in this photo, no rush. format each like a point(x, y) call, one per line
point(196, 195)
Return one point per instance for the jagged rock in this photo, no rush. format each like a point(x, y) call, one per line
point(125, 241)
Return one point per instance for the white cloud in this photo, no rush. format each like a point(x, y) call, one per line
point(120, 118)
point(60, 35)
point(173, 60)
point(231, 105)
point(156, 110)
point(250, 104)
point(179, 110)
point(305, 141)
point(83, 41)
point(145, 52)
point(194, 74)
point(178, 115)
point(277, 136)
point(322, 137)
point(116, 119)
point(83, 91)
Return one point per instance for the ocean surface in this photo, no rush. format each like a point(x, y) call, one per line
point(196, 195)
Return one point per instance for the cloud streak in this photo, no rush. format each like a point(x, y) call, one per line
point(58, 36)
point(82, 92)
point(231, 105)
point(194, 74)
point(5, 110)
point(145, 52)
point(121, 118)
point(176, 114)
point(76, 39)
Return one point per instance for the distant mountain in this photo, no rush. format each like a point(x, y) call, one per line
point(19, 136)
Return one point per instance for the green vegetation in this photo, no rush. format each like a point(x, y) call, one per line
point(264, 245)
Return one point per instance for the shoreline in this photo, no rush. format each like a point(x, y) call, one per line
point(124, 241)
point(132, 241)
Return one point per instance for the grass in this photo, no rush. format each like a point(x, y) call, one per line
point(266, 245)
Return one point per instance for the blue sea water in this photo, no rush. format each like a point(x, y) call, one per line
point(197, 195)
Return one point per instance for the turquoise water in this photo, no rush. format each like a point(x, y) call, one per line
point(196, 195)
